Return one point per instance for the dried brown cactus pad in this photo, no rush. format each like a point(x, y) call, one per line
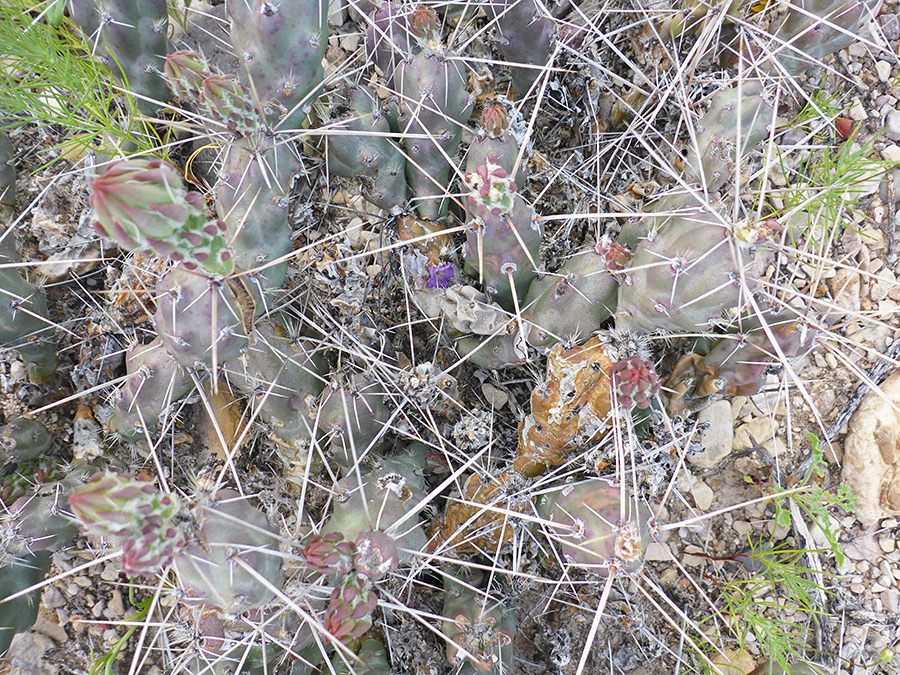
point(871, 463)
point(569, 410)
point(469, 527)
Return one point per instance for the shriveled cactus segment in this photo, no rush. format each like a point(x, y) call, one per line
point(570, 409)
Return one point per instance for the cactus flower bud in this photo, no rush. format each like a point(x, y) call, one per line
point(494, 120)
point(329, 553)
point(115, 504)
point(142, 203)
point(349, 612)
point(635, 382)
point(185, 72)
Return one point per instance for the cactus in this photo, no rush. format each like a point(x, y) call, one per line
point(23, 440)
point(694, 15)
point(231, 534)
point(24, 322)
point(155, 381)
point(130, 39)
point(735, 113)
point(36, 522)
point(252, 201)
point(494, 141)
point(494, 352)
point(387, 38)
point(569, 409)
point(7, 171)
point(24, 479)
point(374, 160)
point(596, 526)
point(525, 39)
point(385, 496)
point(20, 614)
point(282, 378)
point(373, 658)
point(687, 277)
point(574, 302)
point(203, 322)
point(482, 627)
point(802, 37)
point(502, 246)
point(736, 363)
point(435, 106)
point(281, 45)
point(354, 418)
point(141, 204)
point(133, 513)
point(255, 174)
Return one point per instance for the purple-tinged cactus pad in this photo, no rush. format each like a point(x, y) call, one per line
point(202, 321)
point(597, 526)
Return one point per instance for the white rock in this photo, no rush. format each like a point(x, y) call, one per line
point(716, 440)
point(760, 428)
point(871, 463)
point(703, 495)
point(857, 49)
point(891, 153)
point(883, 68)
point(657, 551)
point(857, 112)
point(892, 125)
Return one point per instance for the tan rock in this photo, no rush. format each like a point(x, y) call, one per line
point(871, 465)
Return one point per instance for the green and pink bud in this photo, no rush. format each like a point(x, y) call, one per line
point(635, 383)
point(494, 120)
point(349, 612)
point(329, 553)
point(142, 204)
point(185, 72)
point(117, 505)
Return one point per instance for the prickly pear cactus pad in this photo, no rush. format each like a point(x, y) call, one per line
point(387, 337)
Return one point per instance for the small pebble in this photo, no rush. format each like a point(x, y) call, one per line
point(891, 600)
point(84, 582)
point(883, 68)
point(110, 572)
point(857, 588)
point(116, 607)
point(53, 598)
